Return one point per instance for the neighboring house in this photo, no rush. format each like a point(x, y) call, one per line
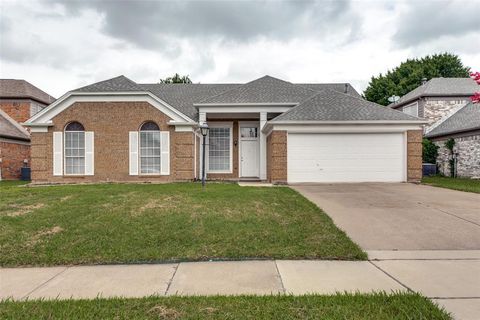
point(19, 100)
point(464, 127)
point(436, 99)
point(14, 147)
point(267, 129)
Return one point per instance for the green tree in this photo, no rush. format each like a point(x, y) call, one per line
point(409, 74)
point(430, 151)
point(176, 79)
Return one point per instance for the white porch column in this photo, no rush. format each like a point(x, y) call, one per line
point(202, 117)
point(263, 147)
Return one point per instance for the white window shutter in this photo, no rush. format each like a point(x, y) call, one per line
point(133, 151)
point(58, 153)
point(165, 152)
point(89, 153)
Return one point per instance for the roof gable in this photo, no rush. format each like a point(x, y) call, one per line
point(117, 84)
point(466, 118)
point(14, 88)
point(330, 105)
point(266, 89)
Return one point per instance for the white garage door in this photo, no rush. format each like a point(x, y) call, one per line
point(343, 157)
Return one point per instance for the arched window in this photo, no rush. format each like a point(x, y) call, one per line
point(150, 148)
point(74, 148)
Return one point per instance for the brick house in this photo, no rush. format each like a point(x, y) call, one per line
point(14, 147)
point(267, 129)
point(464, 127)
point(19, 100)
point(445, 103)
point(435, 100)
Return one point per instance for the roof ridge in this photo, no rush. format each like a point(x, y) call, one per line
point(114, 78)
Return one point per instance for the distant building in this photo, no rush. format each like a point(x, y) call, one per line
point(19, 100)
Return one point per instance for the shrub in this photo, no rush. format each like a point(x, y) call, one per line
point(430, 151)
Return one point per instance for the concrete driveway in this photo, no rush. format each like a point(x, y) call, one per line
point(401, 216)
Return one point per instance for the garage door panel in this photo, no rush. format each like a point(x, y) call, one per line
point(346, 157)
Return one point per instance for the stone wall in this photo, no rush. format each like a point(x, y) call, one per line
point(468, 161)
point(438, 109)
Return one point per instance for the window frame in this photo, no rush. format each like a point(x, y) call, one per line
point(140, 131)
point(224, 125)
point(411, 105)
point(64, 147)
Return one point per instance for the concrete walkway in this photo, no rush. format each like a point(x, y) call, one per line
point(450, 278)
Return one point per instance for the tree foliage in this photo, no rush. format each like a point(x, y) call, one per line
point(430, 151)
point(176, 78)
point(410, 73)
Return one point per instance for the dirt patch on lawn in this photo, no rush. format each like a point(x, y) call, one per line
point(39, 236)
point(169, 202)
point(22, 210)
point(165, 313)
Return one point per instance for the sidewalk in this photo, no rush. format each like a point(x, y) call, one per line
point(450, 278)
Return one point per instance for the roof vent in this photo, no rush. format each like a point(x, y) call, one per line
point(424, 80)
point(346, 88)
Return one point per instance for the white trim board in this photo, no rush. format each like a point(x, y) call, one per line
point(47, 114)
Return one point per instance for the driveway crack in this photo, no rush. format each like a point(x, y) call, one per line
point(171, 279)
point(280, 277)
point(44, 283)
point(449, 213)
point(392, 277)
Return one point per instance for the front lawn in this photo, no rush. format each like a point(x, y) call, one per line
point(127, 223)
point(357, 306)
point(461, 184)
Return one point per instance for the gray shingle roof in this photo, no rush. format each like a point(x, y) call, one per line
point(183, 96)
point(465, 119)
point(440, 87)
point(11, 129)
point(340, 87)
point(330, 105)
point(117, 84)
point(13, 88)
point(266, 89)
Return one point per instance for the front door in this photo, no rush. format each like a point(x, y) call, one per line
point(249, 151)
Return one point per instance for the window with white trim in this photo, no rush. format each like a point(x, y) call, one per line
point(219, 149)
point(411, 109)
point(150, 148)
point(74, 149)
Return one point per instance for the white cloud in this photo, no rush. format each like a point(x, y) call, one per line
point(59, 48)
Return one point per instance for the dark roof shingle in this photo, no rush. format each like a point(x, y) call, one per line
point(13, 88)
point(440, 87)
point(266, 89)
point(11, 129)
point(330, 105)
point(465, 119)
point(117, 84)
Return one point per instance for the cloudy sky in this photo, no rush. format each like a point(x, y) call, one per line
point(61, 45)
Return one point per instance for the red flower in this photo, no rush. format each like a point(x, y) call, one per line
point(476, 97)
point(475, 76)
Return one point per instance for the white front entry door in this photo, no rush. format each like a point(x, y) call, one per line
point(249, 151)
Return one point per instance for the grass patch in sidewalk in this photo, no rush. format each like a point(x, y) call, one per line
point(341, 306)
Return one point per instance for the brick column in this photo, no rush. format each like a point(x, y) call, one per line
point(414, 155)
point(183, 155)
point(39, 152)
point(277, 157)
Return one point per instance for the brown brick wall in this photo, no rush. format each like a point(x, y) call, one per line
point(111, 123)
point(277, 157)
point(17, 110)
point(12, 155)
point(414, 155)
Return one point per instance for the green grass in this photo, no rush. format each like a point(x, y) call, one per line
point(461, 184)
point(342, 306)
point(128, 223)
